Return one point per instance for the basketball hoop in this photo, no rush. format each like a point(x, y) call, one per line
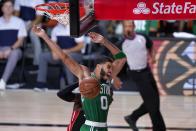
point(78, 14)
point(58, 11)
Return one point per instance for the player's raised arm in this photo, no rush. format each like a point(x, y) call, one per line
point(71, 64)
point(119, 56)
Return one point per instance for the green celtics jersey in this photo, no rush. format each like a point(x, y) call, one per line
point(96, 109)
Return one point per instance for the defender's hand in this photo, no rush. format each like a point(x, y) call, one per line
point(96, 38)
point(38, 31)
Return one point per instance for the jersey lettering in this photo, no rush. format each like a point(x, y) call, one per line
point(105, 89)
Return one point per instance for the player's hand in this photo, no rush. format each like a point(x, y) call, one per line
point(38, 31)
point(117, 83)
point(96, 38)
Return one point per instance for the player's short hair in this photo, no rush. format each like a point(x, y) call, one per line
point(104, 59)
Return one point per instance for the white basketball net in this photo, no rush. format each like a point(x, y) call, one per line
point(62, 18)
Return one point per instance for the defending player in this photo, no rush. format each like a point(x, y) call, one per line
point(95, 105)
point(77, 118)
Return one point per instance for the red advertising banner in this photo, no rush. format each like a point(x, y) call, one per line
point(145, 9)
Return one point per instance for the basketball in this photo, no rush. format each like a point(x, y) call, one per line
point(89, 88)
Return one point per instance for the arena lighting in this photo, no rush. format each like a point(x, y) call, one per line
point(161, 8)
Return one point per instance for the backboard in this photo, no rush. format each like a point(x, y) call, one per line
point(81, 16)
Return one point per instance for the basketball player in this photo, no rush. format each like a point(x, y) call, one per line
point(96, 109)
point(78, 118)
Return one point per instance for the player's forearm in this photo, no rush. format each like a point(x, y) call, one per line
point(72, 65)
point(118, 65)
point(119, 56)
point(111, 47)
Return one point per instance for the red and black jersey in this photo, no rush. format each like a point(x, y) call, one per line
point(77, 118)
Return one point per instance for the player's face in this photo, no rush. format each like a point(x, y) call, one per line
point(128, 28)
point(106, 71)
point(7, 8)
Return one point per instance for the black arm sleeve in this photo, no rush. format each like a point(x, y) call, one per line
point(66, 94)
point(149, 43)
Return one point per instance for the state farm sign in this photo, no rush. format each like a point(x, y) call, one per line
point(145, 9)
point(160, 8)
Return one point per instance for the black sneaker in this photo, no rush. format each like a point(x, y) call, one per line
point(131, 123)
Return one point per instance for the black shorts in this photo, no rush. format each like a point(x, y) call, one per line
point(77, 120)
